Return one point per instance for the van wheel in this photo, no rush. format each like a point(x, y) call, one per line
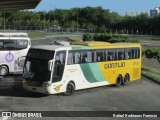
point(126, 79)
point(118, 81)
point(70, 89)
point(3, 70)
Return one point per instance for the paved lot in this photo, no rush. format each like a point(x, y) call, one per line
point(152, 64)
point(141, 95)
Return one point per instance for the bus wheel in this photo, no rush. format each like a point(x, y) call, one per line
point(3, 70)
point(118, 81)
point(126, 79)
point(70, 89)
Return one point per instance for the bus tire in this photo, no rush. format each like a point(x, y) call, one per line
point(118, 81)
point(70, 89)
point(126, 79)
point(3, 70)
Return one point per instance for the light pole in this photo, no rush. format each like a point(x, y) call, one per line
point(49, 19)
point(77, 21)
point(54, 13)
point(4, 20)
point(54, 17)
point(44, 20)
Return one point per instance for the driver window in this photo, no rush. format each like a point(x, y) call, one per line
point(59, 66)
point(60, 57)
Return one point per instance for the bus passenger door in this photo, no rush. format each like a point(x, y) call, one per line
point(59, 65)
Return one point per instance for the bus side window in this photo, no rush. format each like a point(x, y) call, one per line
point(77, 57)
point(1, 45)
point(120, 54)
point(106, 55)
point(128, 54)
point(133, 53)
point(9, 45)
point(89, 56)
point(137, 53)
point(84, 59)
point(70, 58)
point(99, 56)
point(110, 58)
point(111, 55)
point(59, 66)
point(21, 44)
point(60, 57)
point(86, 56)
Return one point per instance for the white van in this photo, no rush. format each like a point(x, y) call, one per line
point(12, 46)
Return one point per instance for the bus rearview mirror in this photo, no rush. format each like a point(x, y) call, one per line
point(21, 61)
point(50, 64)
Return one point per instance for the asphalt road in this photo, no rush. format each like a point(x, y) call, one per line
point(140, 95)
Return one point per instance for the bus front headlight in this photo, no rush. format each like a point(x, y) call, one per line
point(24, 82)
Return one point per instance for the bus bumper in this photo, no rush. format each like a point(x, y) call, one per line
point(42, 89)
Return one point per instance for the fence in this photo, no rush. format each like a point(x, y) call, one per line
point(79, 30)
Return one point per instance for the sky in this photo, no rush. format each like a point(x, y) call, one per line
point(119, 6)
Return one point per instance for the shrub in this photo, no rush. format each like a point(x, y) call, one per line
point(87, 37)
point(108, 37)
point(102, 37)
point(153, 53)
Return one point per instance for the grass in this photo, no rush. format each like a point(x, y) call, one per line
point(35, 35)
point(156, 39)
point(151, 73)
point(38, 35)
point(146, 39)
point(75, 38)
point(45, 34)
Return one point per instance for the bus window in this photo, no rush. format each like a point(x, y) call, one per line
point(137, 53)
point(86, 56)
point(1, 45)
point(106, 55)
point(133, 53)
point(59, 66)
point(111, 55)
point(9, 44)
point(77, 57)
point(128, 54)
point(120, 54)
point(89, 56)
point(61, 56)
point(21, 44)
point(99, 55)
point(70, 58)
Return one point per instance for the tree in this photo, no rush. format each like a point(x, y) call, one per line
point(153, 53)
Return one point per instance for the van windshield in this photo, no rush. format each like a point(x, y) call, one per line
point(36, 65)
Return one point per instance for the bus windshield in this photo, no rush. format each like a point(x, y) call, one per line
point(36, 65)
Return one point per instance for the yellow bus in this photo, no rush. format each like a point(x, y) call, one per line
point(53, 69)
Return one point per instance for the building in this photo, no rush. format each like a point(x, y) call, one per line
point(155, 12)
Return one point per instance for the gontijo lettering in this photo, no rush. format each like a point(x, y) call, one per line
point(114, 65)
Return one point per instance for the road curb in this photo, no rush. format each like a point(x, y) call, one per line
point(150, 78)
